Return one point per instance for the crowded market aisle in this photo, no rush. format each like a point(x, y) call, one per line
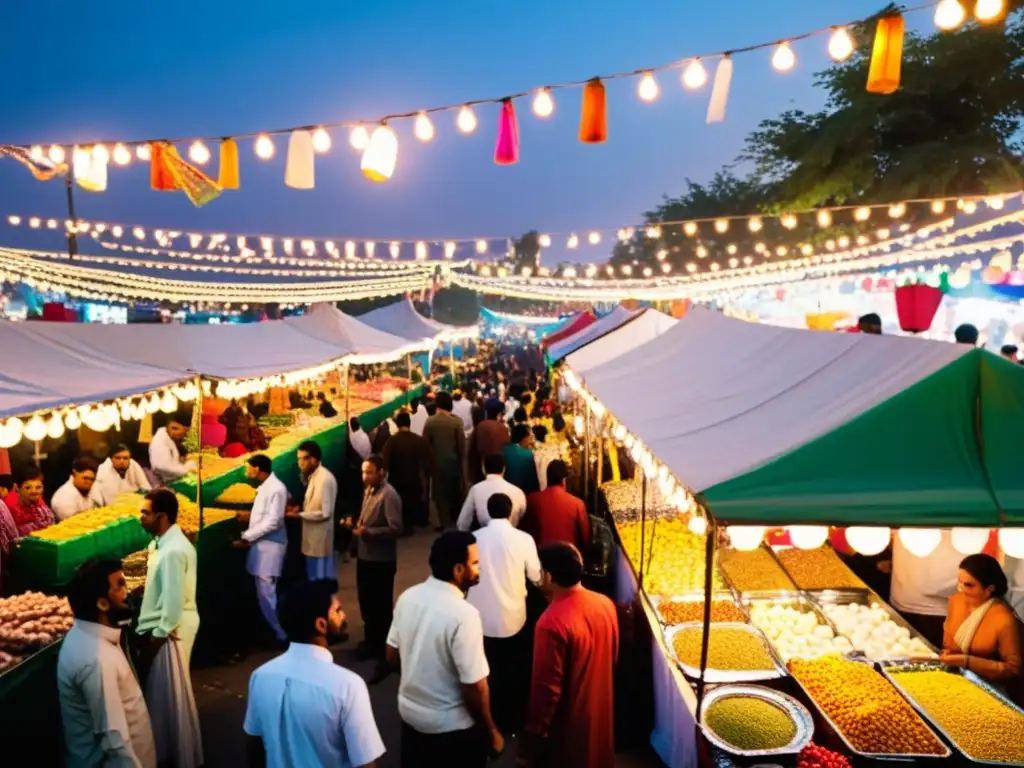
point(221, 691)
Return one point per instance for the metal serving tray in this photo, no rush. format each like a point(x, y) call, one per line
point(798, 600)
point(719, 595)
point(712, 675)
point(796, 711)
point(823, 597)
point(871, 755)
point(758, 592)
point(900, 666)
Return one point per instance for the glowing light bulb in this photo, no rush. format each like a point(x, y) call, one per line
point(695, 76)
point(481, 247)
point(544, 241)
point(949, 14)
point(199, 153)
point(264, 147)
point(142, 152)
point(466, 120)
point(783, 59)
point(938, 206)
point(896, 211)
point(968, 541)
point(970, 207)
point(807, 536)
point(745, 537)
point(72, 420)
point(989, 10)
point(36, 153)
point(573, 241)
point(594, 238)
point(698, 525)
point(543, 104)
point(648, 89)
point(56, 154)
point(423, 128)
point(122, 156)
point(722, 226)
point(824, 218)
point(359, 138)
point(101, 154)
point(1011, 541)
point(867, 540)
point(862, 214)
point(788, 221)
point(11, 432)
point(840, 45)
point(920, 541)
point(755, 224)
point(35, 430)
point(321, 141)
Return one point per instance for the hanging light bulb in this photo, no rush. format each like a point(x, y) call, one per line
point(938, 206)
point(594, 238)
point(989, 10)
point(36, 153)
point(97, 419)
point(101, 154)
point(807, 536)
point(745, 537)
point(544, 241)
point(56, 154)
point(840, 45)
point(970, 207)
point(920, 541)
point(122, 156)
point(896, 211)
point(381, 156)
point(423, 128)
point(949, 14)
point(788, 221)
point(395, 249)
point(722, 226)
point(481, 247)
point(35, 430)
point(969, 541)
point(466, 120)
point(698, 525)
point(862, 214)
point(321, 141)
point(648, 89)
point(264, 147)
point(1011, 541)
point(695, 76)
point(72, 420)
point(866, 540)
point(543, 103)
point(359, 138)
point(199, 153)
point(11, 432)
point(783, 59)
point(573, 241)
point(824, 218)
point(142, 152)
point(449, 249)
point(55, 427)
point(168, 403)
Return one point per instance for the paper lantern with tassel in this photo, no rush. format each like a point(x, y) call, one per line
point(381, 155)
point(506, 149)
point(301, 162)
point(160, 177)
point(90, 171)
point(228, 176)
point(886, 56)
point(594, 114)
point(720, 91)
point(916, 305)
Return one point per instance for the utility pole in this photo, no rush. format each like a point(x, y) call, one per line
point(72, 231)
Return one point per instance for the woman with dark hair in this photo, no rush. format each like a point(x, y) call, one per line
point(982, 633)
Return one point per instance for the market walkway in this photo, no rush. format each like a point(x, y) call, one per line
point(220, 691)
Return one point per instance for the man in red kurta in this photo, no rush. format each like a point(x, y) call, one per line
point(554, 514)
point(570, 722)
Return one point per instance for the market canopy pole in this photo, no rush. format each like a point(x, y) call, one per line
point(197, 413)
point(709, 565)
point(72, 231)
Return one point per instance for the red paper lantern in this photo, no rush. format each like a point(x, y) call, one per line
point(213, 435)
point(866, 283)
point(916, 306)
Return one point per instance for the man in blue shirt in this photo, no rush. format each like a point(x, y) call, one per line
point(304, 710)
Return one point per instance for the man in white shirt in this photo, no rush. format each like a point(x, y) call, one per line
point(76, 495)
point(266, 537)
point(436, 640)
point(102, 709)
point(118, 475)
point(475, 505)
point(463, 408)
point(418, 416)
point(508, 557)
point(922, 586)
point(303, 709)
point(165, 452)
point(359, 439)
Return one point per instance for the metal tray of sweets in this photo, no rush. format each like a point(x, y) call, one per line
point(776, 548)
point(718, 595)
point(758, 592)
point(881, 756)
point(712, 675)
point(797, 712)
point(823, 597)
point(799, 600)
point(903, 665)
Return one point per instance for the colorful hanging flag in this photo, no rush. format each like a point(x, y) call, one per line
point(199, 187)
point(42, 168)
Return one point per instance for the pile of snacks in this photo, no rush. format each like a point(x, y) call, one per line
point(135, 566)
point(238, 493)
point(625, 500)
point(866, 709)
point(83, 523)
point(750, 723)
point(870, 630)
point(813, 756)
point(673, 556)
point(796, 634)
point(686, 611)
point(28, 622)
point(754, 571)
point(982, 726)
point(729, 648)
point(819, 568)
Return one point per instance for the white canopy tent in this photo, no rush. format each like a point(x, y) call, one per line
point(401, 319)
point(714, 398)
point(560, 349)
point(641, 328)
point(358, 341)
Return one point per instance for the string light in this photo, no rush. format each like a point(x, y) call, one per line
point(142, 152)
point(264, 147)
point(949, 14)
point(199, 153)
point(466, 120)
point(544, 241)
point(36, 153)
point(423, 127)
point(359, 138)
point(543, 103)
point(783, 59)
point(321, 141)
point(648, 89)
point(840, 45)
point(824, 218)
point(122, 155)
point(481, 247)
point(594, 238)
point(989, 10)
point(56, 154)
point(695, 76)
point(862, 214)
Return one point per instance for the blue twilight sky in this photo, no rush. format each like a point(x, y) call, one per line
point(131, 70)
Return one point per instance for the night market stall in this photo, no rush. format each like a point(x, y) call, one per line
point(803, 430)
point(558, 350)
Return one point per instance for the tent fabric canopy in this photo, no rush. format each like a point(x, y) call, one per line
point(353, 338)
point(560, 349)
point(401, 319)
point(777, 425)
point(640, 329)
point(571, 326)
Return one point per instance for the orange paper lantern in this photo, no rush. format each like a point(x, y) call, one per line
point(594, 114)
point(886, 56)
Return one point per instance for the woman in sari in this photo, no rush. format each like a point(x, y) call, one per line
point(982, 633)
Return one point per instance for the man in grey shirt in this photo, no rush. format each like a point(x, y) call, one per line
point(375, 544)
